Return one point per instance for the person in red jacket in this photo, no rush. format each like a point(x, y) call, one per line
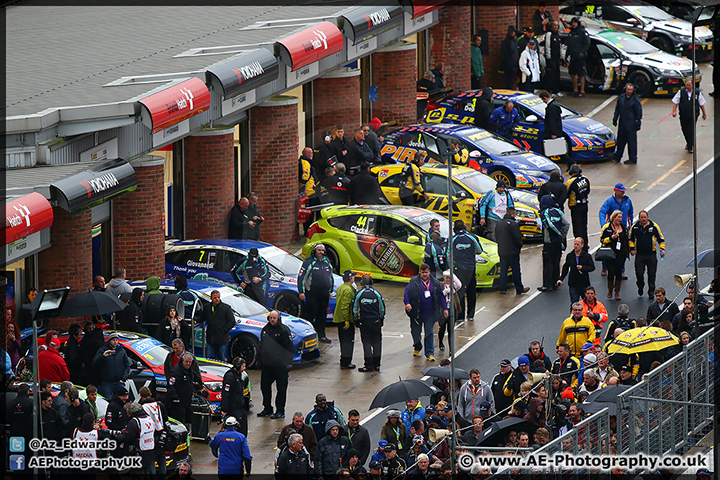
point(51, 366)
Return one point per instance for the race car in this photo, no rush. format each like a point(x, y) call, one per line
point(616, 58)
point(177, 443)
point(250, 318)
point(386, 241)
point(652, 24)
point(468, 185)
point(499, 158)
point(587, 139)
point(215, 261)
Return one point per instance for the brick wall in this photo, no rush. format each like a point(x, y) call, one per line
point(495, 19)
point(336, 101)
point(138, 233)
point(450, 44)
point(527, 9)
point(69, 261)
point(393, 72)
point(273, 169)
point(209, 183)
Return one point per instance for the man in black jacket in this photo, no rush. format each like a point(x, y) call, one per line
point(553, 125)
point(661, 309)
point(315, 285)
point(236, 394)
point(20, 413)
point(294, 462)
point(578, 188)
point(541, 20)
point(92, 340)
point(274, 359)
point(73, 356)
point(510, 56)
point(483, 108)
point(338, 185)
point(52, 427)
point(368, 310)
point(139, 432)
point(578, 263)
point(364, 188)
point(219, 320)
point(556, 188)
point(339, 145)
point(371, 136)
point(254, 213)
point(628, 111)
point(182, 384)
point(358, 435)
point(77, 408)
point(359, 152)
point(497, 386)
point(553, 58)
point(578, 44)
point(509, 240)
point(322, 157)
point(240, 221)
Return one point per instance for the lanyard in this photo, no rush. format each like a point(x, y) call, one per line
point(350, 435)
point(397, 435)
point(427, 285)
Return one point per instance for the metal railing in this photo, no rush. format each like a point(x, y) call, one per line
point(671, 409)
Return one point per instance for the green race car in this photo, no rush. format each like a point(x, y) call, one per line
point(386, 241)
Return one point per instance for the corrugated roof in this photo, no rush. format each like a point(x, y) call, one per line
point(62, 56)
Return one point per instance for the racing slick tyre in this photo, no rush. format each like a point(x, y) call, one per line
point(503, 174)
point(246, 346)
point(290, 303)
point(642, 81)
point(662, 43)
point(155, 307)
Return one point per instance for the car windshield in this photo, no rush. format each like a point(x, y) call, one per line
point(152, 351)
point(244, 306)
point(476, 181)
point(422, 223)
point(490, 143)
point(535, 103)
point(286, 263)
point(652, 13)
point(628, 43)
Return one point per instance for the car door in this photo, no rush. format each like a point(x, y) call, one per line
point(198, 263)
point(620, 19)
point(358, 233)
point(528, 133)
point(417, 141)
point(396, 240)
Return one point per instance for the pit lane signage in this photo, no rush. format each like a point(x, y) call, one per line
point(96, 185)
point(245, 72)
point(25, 216)
point(365, 22)
point(175, 104)
point(310, 45)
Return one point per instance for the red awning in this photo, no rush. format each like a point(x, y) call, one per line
point(421, 7)
point(175, 104)
point(26, 215)
point(312, 44)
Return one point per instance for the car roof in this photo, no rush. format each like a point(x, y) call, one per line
point(224, 242)
point(201, 286)
point(401, 211)
point(430, 127)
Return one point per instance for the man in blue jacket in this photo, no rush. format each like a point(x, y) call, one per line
point(315, 286)
point(424, 304)
point(465, 246)
point(504, 118)
point(113, 364)
point(232, 451)
point(628, 111)
point(617, 201)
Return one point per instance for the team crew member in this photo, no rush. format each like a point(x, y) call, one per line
point(309, 184)
point(315, 285)
point(492, 207)
point(566, 366)
point(236, 393)
point(182, 384)
point(628, 111)
point(344, 318)
point(295, 461)
point(553, 128)
point(232, 451)
point(436, 254)
point(274, 359)
point(595, 311)
point(338, 185)
point(368, 308)
point(578, 43)
point(576, 330)
point(411, 188)
point(255, 274)
point(460, 155)
point(504, 118)
point(644, 240)
point(684, 99)
point(158, 413)
point(139, 432)
point(578, 189)
point(465, 246)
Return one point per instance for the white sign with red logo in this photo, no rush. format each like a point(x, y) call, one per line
point(26, 215)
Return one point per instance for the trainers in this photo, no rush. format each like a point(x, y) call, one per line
point(416, 353)
point(559, 94)
point(349, 366)
point(325, 340)
point(265, 413)
point(431, 358)
point(277, 415)
point(470, 319)
point(366, 370)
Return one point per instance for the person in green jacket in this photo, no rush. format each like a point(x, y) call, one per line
point(343, 316)
point(152, 285)
point(477, 70)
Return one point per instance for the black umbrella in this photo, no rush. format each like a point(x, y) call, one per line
point(91, 303)
point(444, 372)
point(605, 397)
point(402, 391)
point(495, 434)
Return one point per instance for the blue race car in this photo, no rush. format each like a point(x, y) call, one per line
point(499, 158)
point(587, 139)
point(216, 260)
point(250, 318)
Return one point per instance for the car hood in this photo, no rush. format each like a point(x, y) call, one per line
point(528, 198)
point(531, 160)
point(211, 370)
point(298, 327)
point(663, 60)
point(682, 27)
point(583, 124)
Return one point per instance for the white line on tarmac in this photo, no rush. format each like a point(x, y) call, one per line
point(602, 105)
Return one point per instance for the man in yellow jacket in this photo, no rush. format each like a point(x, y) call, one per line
point(576, 330)
point(344, 318)
point(411, 189)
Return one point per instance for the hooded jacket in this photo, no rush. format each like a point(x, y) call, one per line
point(318, 419)
point(554, 224)
point(117, 287)
point(51, 366)
point(483, 108)
point(533, 416)
point(112, 368)
point(331, 450)
point(153, 285)
point(578, 43)
point(470, 398)
point(131, 319)
point(315, 275)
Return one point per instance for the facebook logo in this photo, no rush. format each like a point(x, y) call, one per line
point(17, 462)
point(17, 444)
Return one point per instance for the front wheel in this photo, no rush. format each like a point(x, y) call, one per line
point(290, 303)
point(504, 175)
point(244, 345)
point(642, 81)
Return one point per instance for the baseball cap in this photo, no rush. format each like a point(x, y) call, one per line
point(113, 335)
point(501, 183)
point(523, 360)
point(347, 275)
point(626, 368)
point(587, 346)
point(429, 75)
point(484, 407)
point(54, 342)
point(620, 187)
point(389, 447)
point(589, 359)
point(382, 443)
point(120, 391)
point(505, 363)
point(375, 123)
point(375, 465)
point(253, 252)
point(430, 408)
point(448, 408)
point(527, 29)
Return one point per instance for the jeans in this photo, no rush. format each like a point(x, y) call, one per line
point(107, 389)
point(513, 262)
point(576, 294)
point(218, 352)
point(416, 327)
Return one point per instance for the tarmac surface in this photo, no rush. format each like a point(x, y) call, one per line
point(495, 334)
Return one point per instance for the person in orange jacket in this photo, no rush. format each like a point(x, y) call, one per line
point(595, 311)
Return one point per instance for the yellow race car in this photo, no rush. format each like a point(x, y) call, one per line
point(468, 186)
